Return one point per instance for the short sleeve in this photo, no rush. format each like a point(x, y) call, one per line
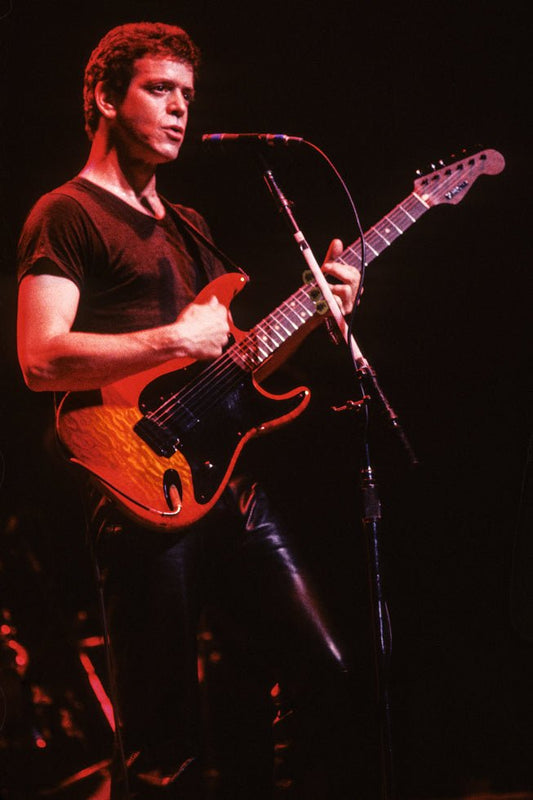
point(57, 238)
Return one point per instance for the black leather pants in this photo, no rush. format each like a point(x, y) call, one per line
point(235, 563)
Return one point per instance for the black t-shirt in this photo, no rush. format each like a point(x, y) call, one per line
point(134, 271)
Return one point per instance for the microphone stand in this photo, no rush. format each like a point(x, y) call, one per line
point(371, 506)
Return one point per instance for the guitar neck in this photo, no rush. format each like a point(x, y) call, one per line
point(386, 231)
point(267, 336)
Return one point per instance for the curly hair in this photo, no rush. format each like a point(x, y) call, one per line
point(113, 58)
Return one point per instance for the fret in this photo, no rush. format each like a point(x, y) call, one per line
point(416, 205)
point(307, 311)
point(369, 244)
point(401, 220)
point(386, 231)
point(264, 351)
point(421, 199)
point(274, 332)
point(286, 316)
point(408, 214)
point(245, 358)
point(387, 241)
point(282, 321)
point(265, 338)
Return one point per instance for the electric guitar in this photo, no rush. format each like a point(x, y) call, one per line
point(163, 443)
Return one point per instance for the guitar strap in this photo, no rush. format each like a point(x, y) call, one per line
point(201, 238)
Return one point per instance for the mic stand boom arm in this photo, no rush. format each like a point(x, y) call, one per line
point(371, 505)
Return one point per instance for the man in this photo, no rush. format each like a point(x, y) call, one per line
point(109, 277)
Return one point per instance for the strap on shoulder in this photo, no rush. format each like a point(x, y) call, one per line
point(202, 238)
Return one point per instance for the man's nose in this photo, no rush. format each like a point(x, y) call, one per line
point(176, 103)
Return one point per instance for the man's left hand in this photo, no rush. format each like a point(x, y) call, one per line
point(345, 292)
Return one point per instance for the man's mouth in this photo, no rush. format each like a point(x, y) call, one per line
point(176, 134)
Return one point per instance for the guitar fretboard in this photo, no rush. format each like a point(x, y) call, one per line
point(265, 338)
point(386, 231)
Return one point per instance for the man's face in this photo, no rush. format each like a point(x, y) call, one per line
point(151, 119)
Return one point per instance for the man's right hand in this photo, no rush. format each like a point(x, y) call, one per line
point(53, 357)
point(202, 329)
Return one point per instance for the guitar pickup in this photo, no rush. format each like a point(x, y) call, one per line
point(158, 438)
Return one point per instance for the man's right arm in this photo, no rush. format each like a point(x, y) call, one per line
point(53, 357)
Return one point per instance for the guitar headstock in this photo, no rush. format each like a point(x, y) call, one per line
point(449, 183)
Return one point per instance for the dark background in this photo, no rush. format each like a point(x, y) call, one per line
point(445, 322)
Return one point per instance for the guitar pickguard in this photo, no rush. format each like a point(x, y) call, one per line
point(101, 439)
point(209, 441)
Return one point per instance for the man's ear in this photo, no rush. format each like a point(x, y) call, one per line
point(105, 100)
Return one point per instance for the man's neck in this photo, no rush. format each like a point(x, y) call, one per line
point(135, 183)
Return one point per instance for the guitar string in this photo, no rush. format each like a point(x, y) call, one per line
point(245, 350)
point(214, 375)
point(174, 403)
point(227, 363)
point(169, 407)
point(412, 203)
point(246, 354)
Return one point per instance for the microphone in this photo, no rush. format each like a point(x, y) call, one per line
point(270, 139)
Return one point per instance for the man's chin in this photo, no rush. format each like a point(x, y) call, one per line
point(167, 156)
point(161, 155)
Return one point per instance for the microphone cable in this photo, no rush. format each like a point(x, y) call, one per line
point(361, 240)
